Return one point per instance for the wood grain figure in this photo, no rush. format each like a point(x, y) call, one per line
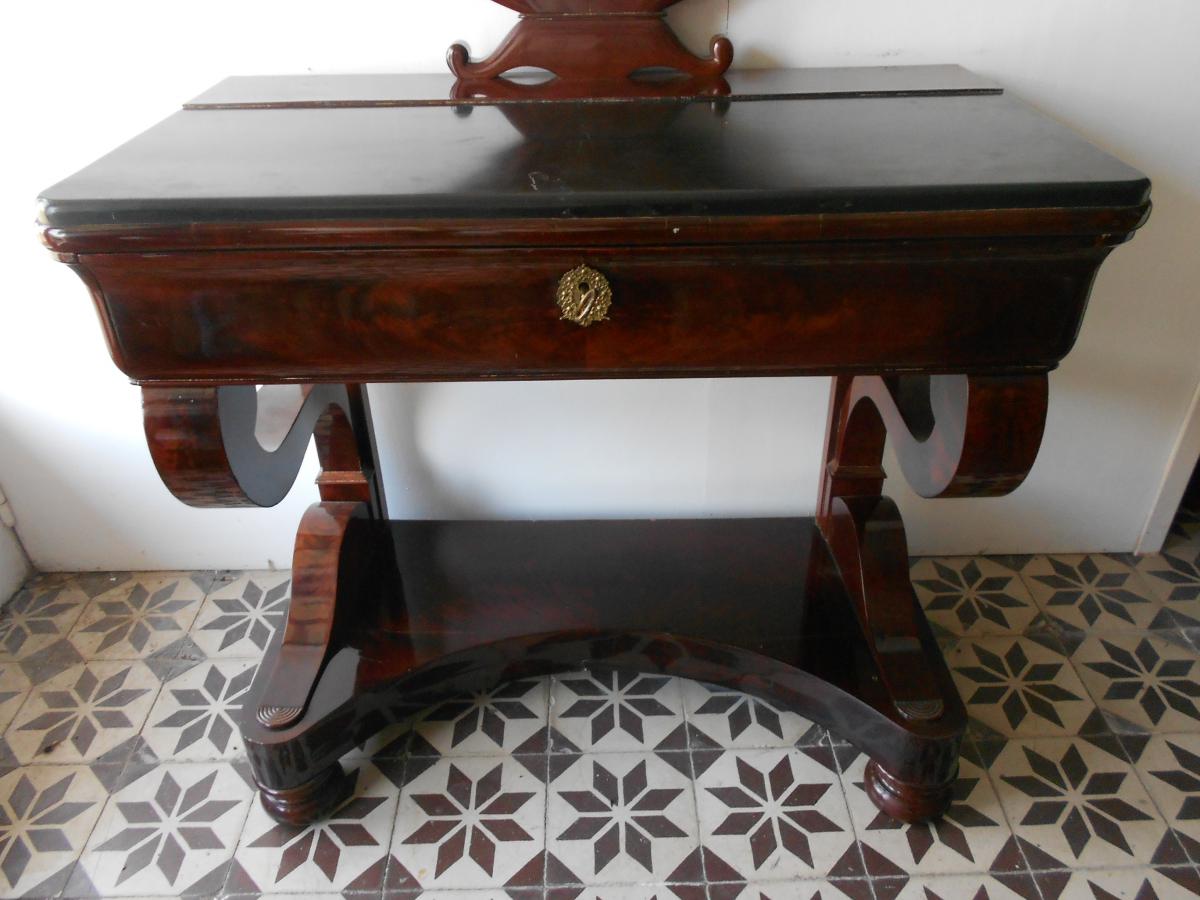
point(261, 256)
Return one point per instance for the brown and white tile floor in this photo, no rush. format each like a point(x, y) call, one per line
point(122, 772)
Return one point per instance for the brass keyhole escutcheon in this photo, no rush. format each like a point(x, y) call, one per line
point(584, 296)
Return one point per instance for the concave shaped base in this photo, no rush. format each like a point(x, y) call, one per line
point(453, 607)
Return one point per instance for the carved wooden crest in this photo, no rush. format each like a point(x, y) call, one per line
point(593, 48)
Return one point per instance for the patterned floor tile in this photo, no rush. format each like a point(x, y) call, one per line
point(165, 831)
point(617, 818)
point(735, 720)
point(470, 822)
point(1077, 803)
point(93, 584)
point(1092, 592)
point(1169, 767)
point(621, 787)
point(1174, 576)
point(967, 839)
point(619, 892)
point(195, 715)
point(1142, 678)
point(452, 895)
point(241, 613)
point(46, 815)
point(616, 711)
point(14, 688)
point(138, 618)
point(1018, 687)
point(39, 614)
point(977, 886)
point(773, 814)
point(1126, 884)
point(488, 722)
point(83, 713)
point(328, 855)
point(972, 596)
point(808, 889)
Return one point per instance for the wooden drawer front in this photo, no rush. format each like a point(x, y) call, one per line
point(466, 314)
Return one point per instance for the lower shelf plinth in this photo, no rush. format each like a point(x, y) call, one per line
point(452, 607)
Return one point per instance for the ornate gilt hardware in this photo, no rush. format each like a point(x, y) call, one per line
point(584, 296)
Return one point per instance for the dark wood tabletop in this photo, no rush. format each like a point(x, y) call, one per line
point(782, 143)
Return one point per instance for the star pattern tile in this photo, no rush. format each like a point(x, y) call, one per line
point(83, 712)
point(328, 855)
point(734, 720)
point(122, 772)
point(1093, 591)
point(611, 711)
point(46, 815)
point(1142, 678)
point(969, 596)
point(621, 818)
point(502, 718)
point(14, 688)
point(774, 814)
point(1169, 767)
point(1135, 884)
point(470, 823)
point(37, 616)
point(138, 617)
point(1077, 802)
point(1019, 687)
point(165, 831)
point(968, 838)
point(1174, 576)
point(195, 715)
point(239, 616)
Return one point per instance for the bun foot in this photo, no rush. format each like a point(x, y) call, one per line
point(907, 802)
point(310, 801)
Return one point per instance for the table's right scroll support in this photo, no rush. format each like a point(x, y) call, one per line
point(954, 436)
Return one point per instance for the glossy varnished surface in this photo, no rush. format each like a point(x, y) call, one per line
point(379, 89)
point(402, 315)
point(463, 582)
point(878, 234)
point(835, 155)
point(756, 604)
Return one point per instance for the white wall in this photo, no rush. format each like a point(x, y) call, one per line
point(14, 567)
point(79, 78)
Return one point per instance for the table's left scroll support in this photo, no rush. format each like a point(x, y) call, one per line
point(210, 445)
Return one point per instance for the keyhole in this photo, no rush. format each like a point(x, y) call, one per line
point(584, 287)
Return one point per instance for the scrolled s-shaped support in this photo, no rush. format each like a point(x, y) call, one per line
point(955, 436)
point(208, 445)
point(207, 442)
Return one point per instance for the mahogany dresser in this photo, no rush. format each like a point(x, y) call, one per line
point(634, 211)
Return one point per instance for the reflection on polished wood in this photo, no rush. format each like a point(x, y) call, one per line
point(316, 234)
point(753, 604)
point(955, 436)
point(206, 443)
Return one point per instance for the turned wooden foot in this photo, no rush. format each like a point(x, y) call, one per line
point(907, 802)
point(309, 801)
